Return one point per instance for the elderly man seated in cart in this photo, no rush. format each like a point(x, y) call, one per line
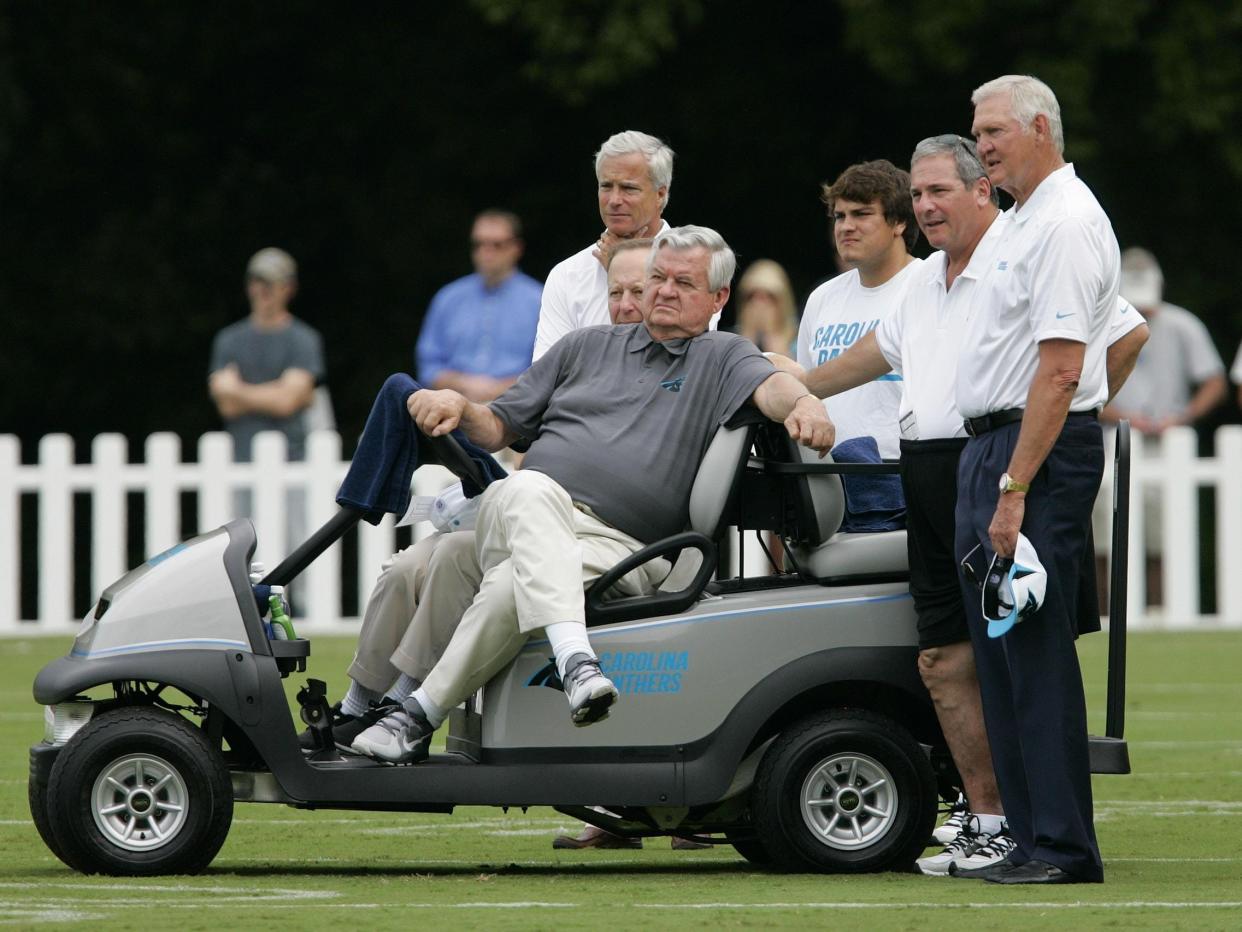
point(618, 418)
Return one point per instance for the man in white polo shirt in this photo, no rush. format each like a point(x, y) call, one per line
point(955, 207)
point(634, 173)
point(1031, 380)
point(874, 231)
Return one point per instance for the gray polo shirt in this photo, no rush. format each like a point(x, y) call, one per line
point(263, 356)
point(621, 422)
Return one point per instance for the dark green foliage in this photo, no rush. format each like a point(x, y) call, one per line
point(147, 148)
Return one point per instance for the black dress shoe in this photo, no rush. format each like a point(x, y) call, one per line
point(982, 873)
point(1035, 871)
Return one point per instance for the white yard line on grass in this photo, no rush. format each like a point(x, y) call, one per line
point(1181, 687)
point(723, 905)
point(84, 888)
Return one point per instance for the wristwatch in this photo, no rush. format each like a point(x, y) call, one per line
point(1009, 484)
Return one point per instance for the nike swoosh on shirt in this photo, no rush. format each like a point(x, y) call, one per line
point(1063, 316)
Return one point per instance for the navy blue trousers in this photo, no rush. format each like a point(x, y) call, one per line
point(1029, 680)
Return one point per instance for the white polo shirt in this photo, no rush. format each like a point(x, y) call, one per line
point(575, 296)
point(838, 314)
point(921, 339)
point(1054, 276)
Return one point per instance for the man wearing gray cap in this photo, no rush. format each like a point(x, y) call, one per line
point(264, 369)
point(263, 374)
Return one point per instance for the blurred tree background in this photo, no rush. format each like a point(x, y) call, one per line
point(148, 148)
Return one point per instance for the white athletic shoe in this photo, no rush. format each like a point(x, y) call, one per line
point(959, 815)
point(937, 865)
point(400, 737)
point(590, 693)
point(989, 850)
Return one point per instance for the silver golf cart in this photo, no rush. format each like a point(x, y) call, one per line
point(780, 714)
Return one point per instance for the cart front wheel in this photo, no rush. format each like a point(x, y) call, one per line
point(139, 791)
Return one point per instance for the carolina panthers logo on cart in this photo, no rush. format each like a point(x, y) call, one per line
point(674, 385)
point(547, 676)
point(631, 671)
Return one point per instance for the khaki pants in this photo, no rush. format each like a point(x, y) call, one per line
point(414, 609)
point(538, 550)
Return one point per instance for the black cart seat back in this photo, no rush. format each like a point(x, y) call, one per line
point(826, 553)
point(712, 503)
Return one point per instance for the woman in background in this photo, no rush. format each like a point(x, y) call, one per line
point(766, 312)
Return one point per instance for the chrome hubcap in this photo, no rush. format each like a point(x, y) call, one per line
point(849, 801)
point(140, 802)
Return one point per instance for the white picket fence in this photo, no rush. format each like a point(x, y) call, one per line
point(161, 479)
point(107, 479)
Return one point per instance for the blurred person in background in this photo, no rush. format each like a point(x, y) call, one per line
point(479, 331)
point(264, 368)
point(766, 312)
point(1178, 380)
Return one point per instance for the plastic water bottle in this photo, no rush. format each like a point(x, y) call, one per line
point(282, 625)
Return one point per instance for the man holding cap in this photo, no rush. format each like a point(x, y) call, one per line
point(1031, 380)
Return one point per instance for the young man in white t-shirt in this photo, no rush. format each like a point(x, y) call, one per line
point(874, 230)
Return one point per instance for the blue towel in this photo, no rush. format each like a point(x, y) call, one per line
point(872, 503)
point(378, 480)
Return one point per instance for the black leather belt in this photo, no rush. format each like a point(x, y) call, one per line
point(981, 425)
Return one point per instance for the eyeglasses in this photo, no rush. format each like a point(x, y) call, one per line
point(964, 144)
point(491, 243)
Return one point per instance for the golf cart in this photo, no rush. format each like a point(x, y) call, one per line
point(780, 714)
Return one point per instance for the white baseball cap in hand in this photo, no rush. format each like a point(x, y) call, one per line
point(1014, 588)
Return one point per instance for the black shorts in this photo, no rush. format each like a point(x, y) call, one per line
point(929, 481)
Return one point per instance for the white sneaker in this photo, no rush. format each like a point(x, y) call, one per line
point(590, 693)
point(989, 850)
point(959, 815)
point(400, 737)
point(937, 865)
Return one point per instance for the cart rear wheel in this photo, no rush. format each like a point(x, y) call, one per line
point(846, 791)
point(139, 791)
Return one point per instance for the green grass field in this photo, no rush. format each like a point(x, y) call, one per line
point(1171, 834)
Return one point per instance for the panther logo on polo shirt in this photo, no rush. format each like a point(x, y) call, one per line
point(674, 385)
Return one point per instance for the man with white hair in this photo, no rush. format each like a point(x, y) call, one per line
point(423, 591)
point(581, 504)
point(634, 172)
point(955, 207)
point(1031, 380)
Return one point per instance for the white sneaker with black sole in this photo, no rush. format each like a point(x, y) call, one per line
point(990, 850)
point(590, 693)
point(937, 865)
point(402, 736)
point(959, 815)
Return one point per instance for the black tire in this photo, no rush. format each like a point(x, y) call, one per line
point(36, 795)
point(139, 792)
point(848, 791)
point(752, 850)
